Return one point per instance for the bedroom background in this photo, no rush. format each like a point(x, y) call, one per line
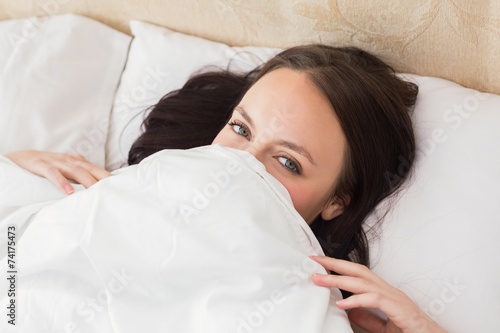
point(439, 243)
point(422, 37)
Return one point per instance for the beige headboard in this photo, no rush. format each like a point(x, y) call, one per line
point(454, 39)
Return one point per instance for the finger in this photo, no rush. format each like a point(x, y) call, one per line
point(80, 175)
point(96, 172)
point(78, 161)
point(344, 267)
point(367, 320)
point(352, 284)
point(76, 173)
point(367, 300)
point(340, 266)
point(74, 156)
point(56, 178)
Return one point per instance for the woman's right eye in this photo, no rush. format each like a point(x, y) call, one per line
point(239, 128)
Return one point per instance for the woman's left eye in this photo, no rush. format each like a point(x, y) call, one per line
point(289, 164)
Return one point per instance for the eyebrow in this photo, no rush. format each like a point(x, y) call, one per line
point(290, 145)
point(299, 149)
point(244, 114)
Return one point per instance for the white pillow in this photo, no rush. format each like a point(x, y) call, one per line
point(161, 60)
point(59, 76)
point(440, 243)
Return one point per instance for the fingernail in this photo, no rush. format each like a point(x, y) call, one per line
point(317, 275)
point(69, 189)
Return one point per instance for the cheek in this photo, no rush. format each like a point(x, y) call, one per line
point(304, 199)
point(299, 200)
point(224, 139)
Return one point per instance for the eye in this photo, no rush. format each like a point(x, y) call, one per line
point(239, 128)
point(290, 164)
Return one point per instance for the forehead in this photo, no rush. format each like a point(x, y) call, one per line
point(290, 103)
point(284, 80)
point(287, 93)
point(293, 98)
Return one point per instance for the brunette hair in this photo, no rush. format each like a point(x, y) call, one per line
point(370, 101)
point(372, 105)
point(191, 116)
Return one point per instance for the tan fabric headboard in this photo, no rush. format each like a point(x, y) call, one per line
point(454, 39)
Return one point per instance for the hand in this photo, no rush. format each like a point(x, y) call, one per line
point(59, 168)
point(370, 291)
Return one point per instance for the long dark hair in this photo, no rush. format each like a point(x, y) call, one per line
point(191, 116)
point(372, 105)
point(371, 102)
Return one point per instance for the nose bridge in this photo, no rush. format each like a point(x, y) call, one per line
point(256, 149)
point(260, 144)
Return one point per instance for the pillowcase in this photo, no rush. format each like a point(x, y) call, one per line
point(59, 76)
point(439, 243)
point(161, 60)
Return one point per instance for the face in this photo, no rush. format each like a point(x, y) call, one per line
point(291, 128)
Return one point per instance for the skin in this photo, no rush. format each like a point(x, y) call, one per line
point(290, 127)
point(371, 291)
point(59, 168)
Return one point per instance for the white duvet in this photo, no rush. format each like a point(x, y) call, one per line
point(203, 240)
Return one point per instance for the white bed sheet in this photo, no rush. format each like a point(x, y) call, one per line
point(203, 240)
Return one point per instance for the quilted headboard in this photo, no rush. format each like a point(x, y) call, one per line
point(454, 39)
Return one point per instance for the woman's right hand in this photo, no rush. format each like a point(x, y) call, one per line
point(59, 168)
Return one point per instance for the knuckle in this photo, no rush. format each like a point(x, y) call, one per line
point(376, 298)
point(92, 168)
point(68, 159)
point(78, 169)
point(51, 170)
point(363, 268)
point(72, 158)
point(77, 157)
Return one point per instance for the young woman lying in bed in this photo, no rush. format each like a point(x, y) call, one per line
point(330, 124)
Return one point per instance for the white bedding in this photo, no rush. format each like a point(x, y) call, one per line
point(187, 241)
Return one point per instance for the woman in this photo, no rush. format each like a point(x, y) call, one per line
point(331, 124)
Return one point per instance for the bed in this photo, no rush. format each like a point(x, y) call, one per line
point(77, 76)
